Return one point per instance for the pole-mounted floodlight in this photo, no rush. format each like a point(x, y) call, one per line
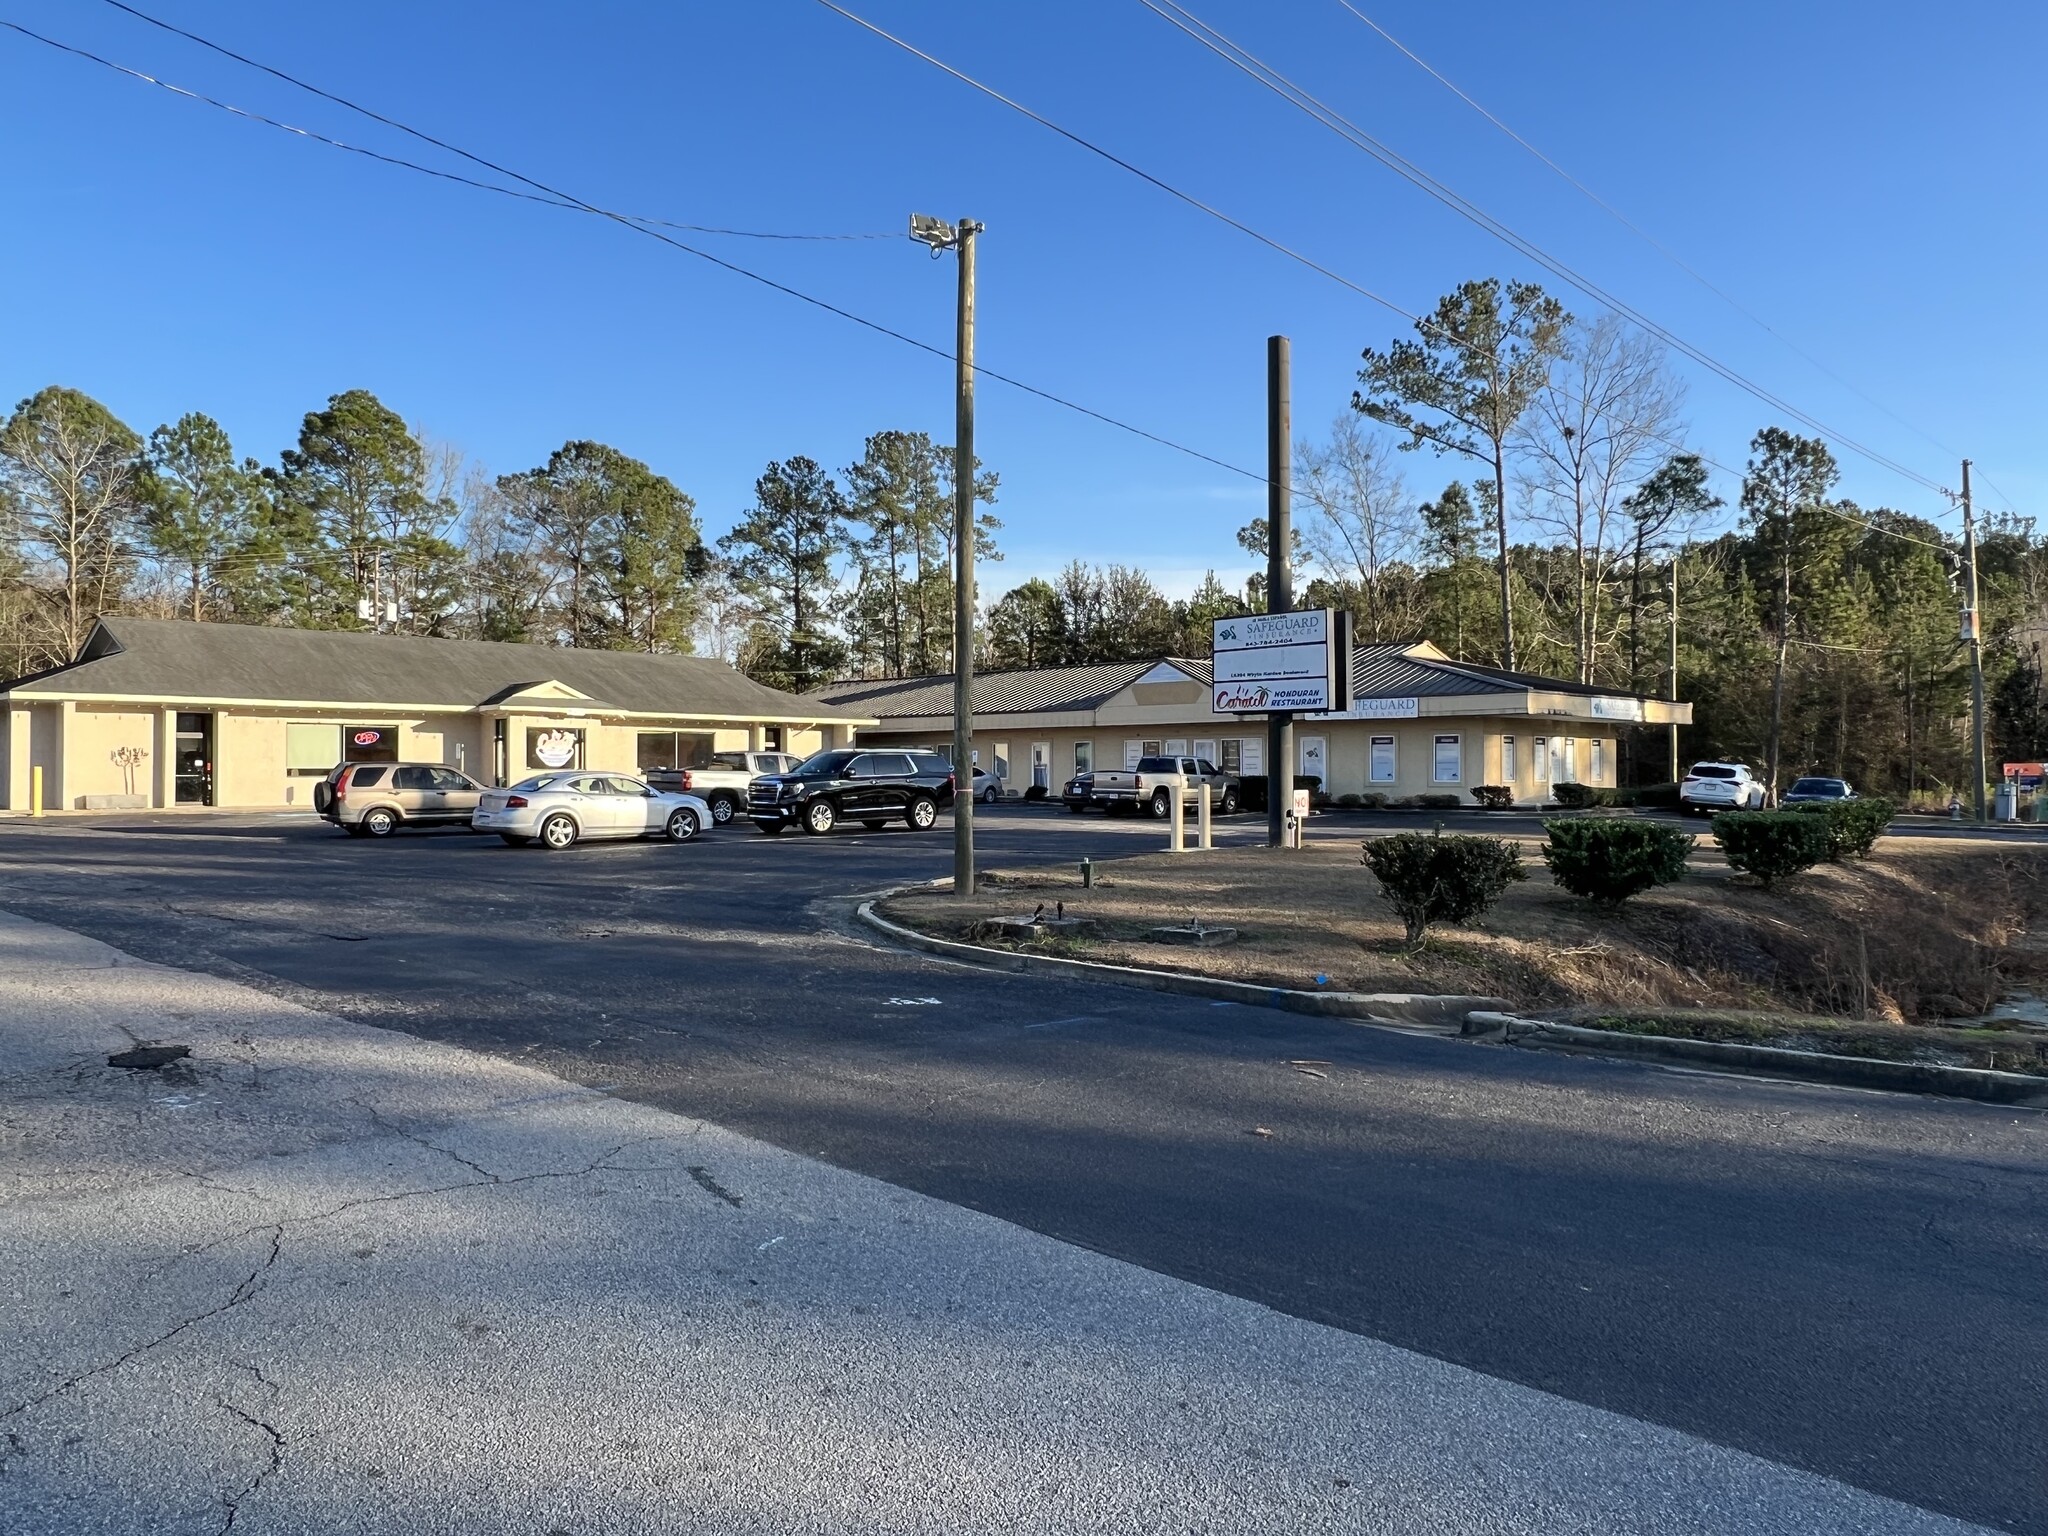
point(936, 233)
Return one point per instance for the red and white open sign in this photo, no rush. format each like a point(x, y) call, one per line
point(368, 738)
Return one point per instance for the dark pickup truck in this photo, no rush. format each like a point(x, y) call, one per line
point(1150, 786)
point(873, 786)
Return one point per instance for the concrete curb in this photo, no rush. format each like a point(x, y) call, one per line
point(1401, 1010)
point(1980, 1083)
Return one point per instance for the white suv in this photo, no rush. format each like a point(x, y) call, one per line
point(1711, 787)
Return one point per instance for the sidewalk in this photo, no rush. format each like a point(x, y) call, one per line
point(327, 1278)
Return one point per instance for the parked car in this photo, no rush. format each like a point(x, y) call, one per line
point(1151, 786)
point(1817, 792)
point(871, 786)
point(722, 784)
point(376, 799)
point(558, 810)
point(988, 789)
point(1709, 787)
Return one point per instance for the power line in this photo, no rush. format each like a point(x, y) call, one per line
point(1421, 322)
point(410, 165)
point(1642, 234)
point(1305, 102)
point(638, 225)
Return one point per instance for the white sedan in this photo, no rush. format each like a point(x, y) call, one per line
point(558, 809)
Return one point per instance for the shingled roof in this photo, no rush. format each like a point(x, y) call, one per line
point(1039, 690)
point(150, 659)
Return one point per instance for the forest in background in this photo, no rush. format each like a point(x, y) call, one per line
point(1811, 632)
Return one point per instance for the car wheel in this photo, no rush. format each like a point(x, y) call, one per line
point(1077, 809)
point(513, 840)
point(820, 817)
point(989, 795)
point(922, 814)
point(681, 826)
point(557, 833)
point(723, 809)
point(380, 823)
point(771, 828)
point(1229, 802)
point(1161, 804)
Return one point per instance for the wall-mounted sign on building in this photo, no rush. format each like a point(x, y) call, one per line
point(1379, 709)
point(557, 748)
point(1617, 709)
point(1274, 661)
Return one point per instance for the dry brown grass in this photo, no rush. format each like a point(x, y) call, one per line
point(1926, 929)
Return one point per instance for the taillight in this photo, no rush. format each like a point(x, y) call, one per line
point(686, 778)
point(1137, 781)
point(341, 784)
point(515, 802)
point(952, 783)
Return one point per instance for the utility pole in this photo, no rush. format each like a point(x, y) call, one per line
point(1279, 568)
point(940, 235)
point(1973, 636)
point(1676, 772)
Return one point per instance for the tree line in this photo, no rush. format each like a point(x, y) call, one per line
point(1812, 634)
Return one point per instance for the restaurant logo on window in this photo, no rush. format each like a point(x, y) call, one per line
point(554, 749)
point(368, 738)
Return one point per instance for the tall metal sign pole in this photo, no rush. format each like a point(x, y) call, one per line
point(1973, 635)
point(1677, 772)
point(940, 235)
point(1279, 569)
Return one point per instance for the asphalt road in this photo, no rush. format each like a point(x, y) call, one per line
point(1848, 1283)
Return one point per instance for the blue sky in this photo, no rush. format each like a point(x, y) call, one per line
point(1867, 178)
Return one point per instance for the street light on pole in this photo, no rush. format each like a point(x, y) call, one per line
point(940, 235)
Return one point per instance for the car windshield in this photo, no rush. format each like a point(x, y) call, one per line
point(823, 765)
point(1820, 787)
point(1712, 771)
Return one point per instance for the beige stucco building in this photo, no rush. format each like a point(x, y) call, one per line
point(1420, 724)
point(164, 713)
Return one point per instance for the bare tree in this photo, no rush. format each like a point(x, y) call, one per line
point(68, 470)
point(1361, 528)
point(1597, 427)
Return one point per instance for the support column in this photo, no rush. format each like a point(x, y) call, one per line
point(59, 791)
point(163, 770)
point(20, 741)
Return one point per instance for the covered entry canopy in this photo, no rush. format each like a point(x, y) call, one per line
point(158, 712)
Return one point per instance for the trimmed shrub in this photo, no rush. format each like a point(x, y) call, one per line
point(1437, 879)
point(1035, 792)
point(1854, 826)
point(1577, 797)
point(1439, 802)
point(1772, 844)
point(1350, 802)
point(1374, 800)
point(1611, 860)
point(1662, 797)
point(1494, 797)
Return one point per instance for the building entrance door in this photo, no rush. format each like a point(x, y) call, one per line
point(1041, 764)
point(194, 760)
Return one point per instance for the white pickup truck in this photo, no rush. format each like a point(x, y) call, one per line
point(722, 783)
point(1150, 786)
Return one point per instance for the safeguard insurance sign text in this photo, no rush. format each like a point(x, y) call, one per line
point(1274, 661)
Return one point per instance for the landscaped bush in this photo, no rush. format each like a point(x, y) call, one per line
point(1854, 826)
point(1662, 797)
point(1350, 801)
point(1575, 797)
point(1374, 800)
point(1436, 879)
point(1772, 844)
point(1438, 802)
point(1612, 860)
point(1494, 797)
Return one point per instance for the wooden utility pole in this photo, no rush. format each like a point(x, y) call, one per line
point(1676, 771)
point(963, 572)
point(1784, 645)
point(1973, 636)
point(1279, 569)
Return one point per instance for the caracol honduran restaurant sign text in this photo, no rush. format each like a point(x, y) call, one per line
point(1273, 661)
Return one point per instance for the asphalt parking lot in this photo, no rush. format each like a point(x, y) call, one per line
point(1845, 1282)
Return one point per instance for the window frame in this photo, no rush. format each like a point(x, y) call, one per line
point(292, 771)
point(1596, 760)
point(1084, 749)
point(1509, 768)
point(385, 747)
point(1372, 749)
point(1539, 759)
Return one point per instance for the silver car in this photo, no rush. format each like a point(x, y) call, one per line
point(559, 809)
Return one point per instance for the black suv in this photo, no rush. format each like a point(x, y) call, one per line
point(873, 786)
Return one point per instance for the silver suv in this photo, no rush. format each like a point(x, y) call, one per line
point(376, 799)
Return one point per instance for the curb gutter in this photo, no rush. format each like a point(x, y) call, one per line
point(1419, 1011)
point(1980, 1083)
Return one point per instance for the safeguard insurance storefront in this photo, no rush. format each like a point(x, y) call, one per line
point(1417, 723)
point(159, 713)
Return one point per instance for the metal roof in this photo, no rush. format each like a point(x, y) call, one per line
point(1038, 690)
point(1396, 672)
point(178, 659)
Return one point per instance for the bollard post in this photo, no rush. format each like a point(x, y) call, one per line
point(1207, 840)
point(1087, 873)
point(1176, 833)
point(35, 791)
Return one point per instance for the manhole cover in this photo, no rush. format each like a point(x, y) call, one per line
point(149, 1057)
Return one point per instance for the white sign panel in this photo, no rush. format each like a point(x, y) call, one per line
point(1378, 709)
point(1617, 709)
point(1280, 661)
